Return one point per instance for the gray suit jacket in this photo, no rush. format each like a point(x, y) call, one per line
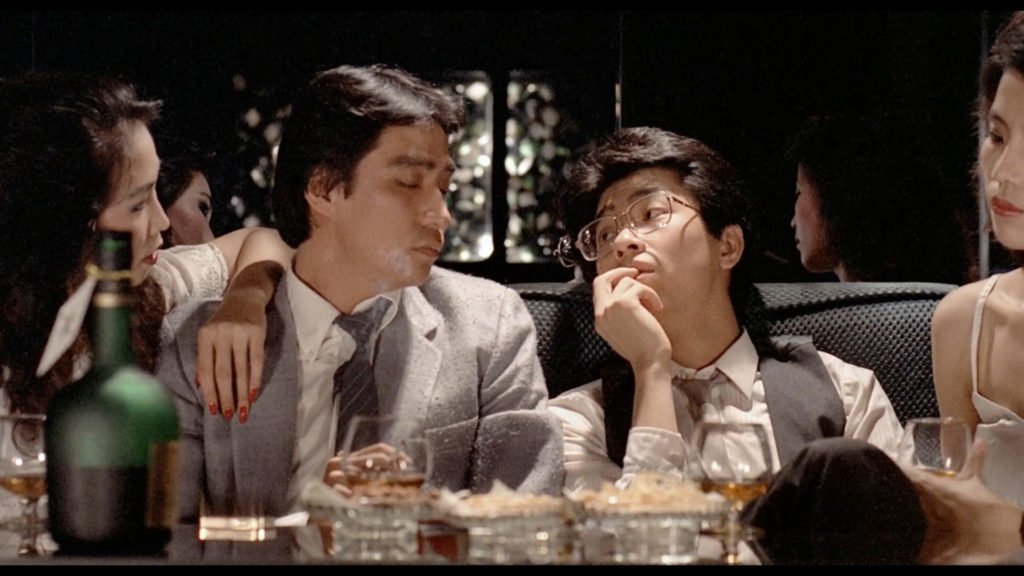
point(461, 354)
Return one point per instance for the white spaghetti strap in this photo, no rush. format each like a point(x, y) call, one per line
point(976, 328)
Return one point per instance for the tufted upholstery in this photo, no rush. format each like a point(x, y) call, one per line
point(882, 326)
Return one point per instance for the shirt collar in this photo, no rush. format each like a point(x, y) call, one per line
point(314, 315)
point(738, 363)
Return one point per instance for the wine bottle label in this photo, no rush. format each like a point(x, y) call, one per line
point(162, 485)
point(95, 271)
point(108, 300)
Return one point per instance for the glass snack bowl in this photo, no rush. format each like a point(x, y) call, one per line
point(656, 520)
point(384, 528)
point(506, 527)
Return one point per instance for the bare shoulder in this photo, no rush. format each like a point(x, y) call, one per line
point(955, 311)
point(951, 338)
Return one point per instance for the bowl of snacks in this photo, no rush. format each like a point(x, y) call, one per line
point(506, 527)
point(656, 519)
point(373, 523)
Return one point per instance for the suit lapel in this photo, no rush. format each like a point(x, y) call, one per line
point(408, 354)
point(264, 445)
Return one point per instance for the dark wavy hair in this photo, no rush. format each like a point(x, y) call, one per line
point(180, 159)
point(890, 213)
point(336, 120)
point(1006, 54)
point(62, 144)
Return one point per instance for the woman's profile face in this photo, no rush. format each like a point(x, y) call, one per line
point(191, 212)
point(133, 205)
point(1001, 161)
point(809, 228)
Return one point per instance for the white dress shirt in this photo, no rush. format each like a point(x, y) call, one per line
point(323, 347)
point(735, 393)
point(737, 397)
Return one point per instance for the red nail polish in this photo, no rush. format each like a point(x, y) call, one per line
point(213, 409)
point(253, 394)
point(243, 414)
point(228, 413)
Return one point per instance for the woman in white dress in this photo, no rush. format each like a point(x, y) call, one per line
point(978, 336)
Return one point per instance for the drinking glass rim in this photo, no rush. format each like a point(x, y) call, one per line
point(943, 420)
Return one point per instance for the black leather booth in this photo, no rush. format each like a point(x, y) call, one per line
point(882, 326)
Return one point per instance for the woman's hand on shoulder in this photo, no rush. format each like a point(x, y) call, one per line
point(229, 361)
point(229, 364)
point(230, 355)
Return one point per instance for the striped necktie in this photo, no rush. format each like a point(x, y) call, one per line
point(698, 393)
point(354, 383)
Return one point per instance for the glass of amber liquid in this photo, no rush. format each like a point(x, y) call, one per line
point(386, 460)
point(735, 460)
point(385, 451)
point(23, 474)
point(936, 445)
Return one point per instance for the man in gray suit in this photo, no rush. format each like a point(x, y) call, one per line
point(361, 178)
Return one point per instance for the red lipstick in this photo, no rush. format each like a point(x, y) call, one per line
point(1003, 207)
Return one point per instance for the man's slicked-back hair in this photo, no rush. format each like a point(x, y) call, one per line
point(336, 120)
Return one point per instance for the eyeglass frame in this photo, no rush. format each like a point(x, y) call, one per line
point(564, 249)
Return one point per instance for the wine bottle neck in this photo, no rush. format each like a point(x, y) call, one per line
point(112, 306)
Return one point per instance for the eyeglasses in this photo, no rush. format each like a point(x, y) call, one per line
point(645, 215)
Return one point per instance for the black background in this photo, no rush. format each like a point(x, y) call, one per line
point(741, 81)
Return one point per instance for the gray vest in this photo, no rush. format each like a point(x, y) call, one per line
point(802, 400)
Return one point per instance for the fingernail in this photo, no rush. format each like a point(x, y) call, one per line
point(243, 414)
point(228, 413)
point(213, 409)
point(253, 394)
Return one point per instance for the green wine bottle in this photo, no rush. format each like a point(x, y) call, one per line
point(112, 437)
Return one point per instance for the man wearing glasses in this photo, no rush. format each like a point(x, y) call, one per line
point(663, 228)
